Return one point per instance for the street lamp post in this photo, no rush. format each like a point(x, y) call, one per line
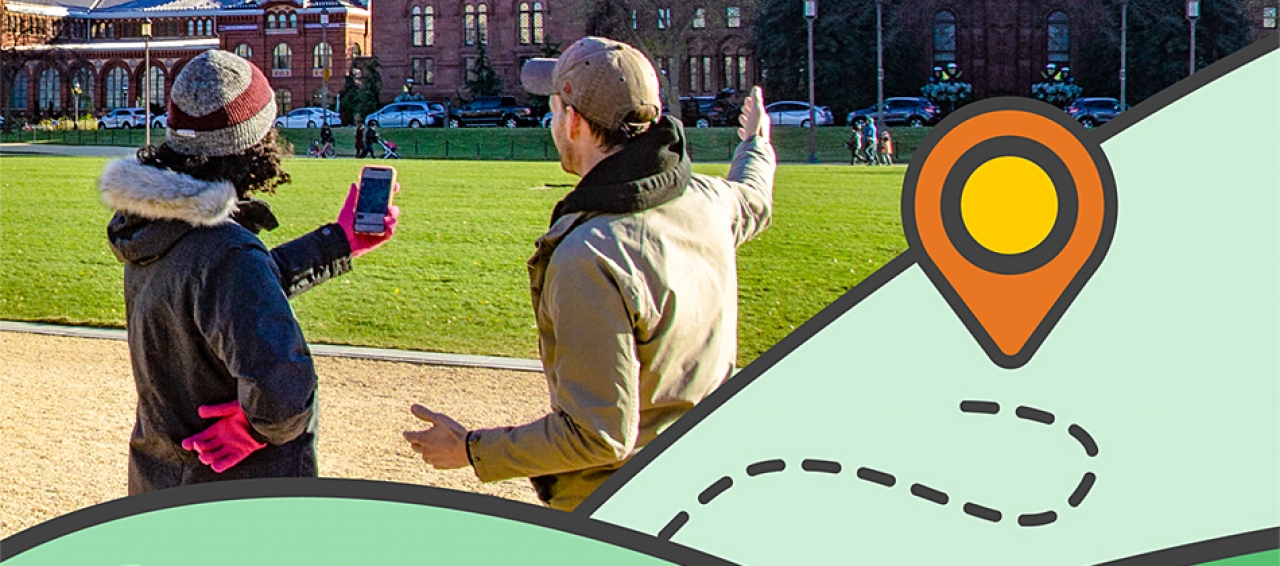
point(1193, 13)
point(811, 14)
point(879, 64)
point(1124, 47)
point(328, 55)
point(75, 102)
point(146, 77)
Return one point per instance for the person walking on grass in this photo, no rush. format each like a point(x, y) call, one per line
point(360, 148)
point(885, 147)
point(634, 285)
point(869, 141)
point(854, 143)
point(226, 386)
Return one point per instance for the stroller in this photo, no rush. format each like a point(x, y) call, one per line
point(389, 150)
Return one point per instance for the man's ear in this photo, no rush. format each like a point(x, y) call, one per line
point(573, 121)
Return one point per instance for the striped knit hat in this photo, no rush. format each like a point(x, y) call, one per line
point(220, 105)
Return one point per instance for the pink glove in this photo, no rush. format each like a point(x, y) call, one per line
point(363, 243)
point(227, 442)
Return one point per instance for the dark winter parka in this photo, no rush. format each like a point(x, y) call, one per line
point(209, 322)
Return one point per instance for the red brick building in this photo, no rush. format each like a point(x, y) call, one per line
point(436, 42)
point(63, 57)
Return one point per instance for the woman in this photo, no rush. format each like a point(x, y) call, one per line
point(226, 385)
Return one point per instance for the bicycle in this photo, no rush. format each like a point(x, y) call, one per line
point(322, 151)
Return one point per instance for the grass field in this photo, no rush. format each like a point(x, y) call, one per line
point(453, 279)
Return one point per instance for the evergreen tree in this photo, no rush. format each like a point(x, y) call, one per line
point(361, 90)
point(483, 80)
point(1159, 43)
point(844, 45)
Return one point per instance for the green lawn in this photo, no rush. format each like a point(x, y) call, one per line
point(453, 279)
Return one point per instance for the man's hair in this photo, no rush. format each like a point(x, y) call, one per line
point(610, 139)
point(256, 169)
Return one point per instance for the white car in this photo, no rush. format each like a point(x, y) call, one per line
point(792, 113)
point(161, 121)
point(123, 118)
point(309, 117)
point(546, 120)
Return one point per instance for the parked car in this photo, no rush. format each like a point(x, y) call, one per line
point(161, 121)
point(493, 111)
point(793, 113)
point(123, 118)
point(546, 120)
point(1092, 112)
point(711, 111)
point(309, 117)
point(411, 114)
point(913, 111)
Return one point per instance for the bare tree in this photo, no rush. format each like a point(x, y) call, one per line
point(662, 29)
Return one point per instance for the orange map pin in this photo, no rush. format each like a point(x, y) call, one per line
point(1013, 210)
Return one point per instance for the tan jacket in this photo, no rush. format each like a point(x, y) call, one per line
point(637, 322)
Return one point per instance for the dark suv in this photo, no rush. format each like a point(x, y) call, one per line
point(710, 111)
point(1091, 112)
point(910, 111)
point(492, 111)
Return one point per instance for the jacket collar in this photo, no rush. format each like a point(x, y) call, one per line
point(651, 169)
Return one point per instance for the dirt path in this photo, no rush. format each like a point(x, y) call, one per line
point(67, 408)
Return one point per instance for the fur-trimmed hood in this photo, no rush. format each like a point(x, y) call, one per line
point(155, 208)
point(159, 194)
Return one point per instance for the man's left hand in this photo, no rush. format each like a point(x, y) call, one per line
point(444, 445)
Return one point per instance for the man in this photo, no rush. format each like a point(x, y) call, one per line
point(634, 286)
point(226, 385)
point(360, 151)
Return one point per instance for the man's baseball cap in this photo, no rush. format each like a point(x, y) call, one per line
point(609, 82)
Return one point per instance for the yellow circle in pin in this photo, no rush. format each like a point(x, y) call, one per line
point(1009, 205)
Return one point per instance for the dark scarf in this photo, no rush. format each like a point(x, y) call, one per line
point(651, 169)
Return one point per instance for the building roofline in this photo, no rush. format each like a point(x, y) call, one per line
point(164, 44)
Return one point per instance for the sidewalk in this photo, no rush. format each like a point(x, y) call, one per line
point(66, 150)
point(381, 354)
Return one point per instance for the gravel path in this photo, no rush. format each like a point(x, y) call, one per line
point(68, 408)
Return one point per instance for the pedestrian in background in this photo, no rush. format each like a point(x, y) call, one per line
point(886, 147)
point(360, 147)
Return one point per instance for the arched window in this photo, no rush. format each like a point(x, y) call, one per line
point(944, 37)
point(469, 24)
point(191, 28)
point(117, 88)
point(539, 36)
point(293, 19)
point(1059, 38)
point(281, 58)
point(244, 50)
point(526, 24)
point(429, 25)
point(284, 101)
point(415, 26)
point(50, 90)
point(83, 78)
point(482, 23)
point(355, 50)
point(322, 56)
point(19, 90)
point(531, 23)
point(271, 21)
point(157, 85)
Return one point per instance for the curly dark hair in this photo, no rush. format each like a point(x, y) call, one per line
point(256, 169)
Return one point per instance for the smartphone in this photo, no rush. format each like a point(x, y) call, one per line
point(375, 196)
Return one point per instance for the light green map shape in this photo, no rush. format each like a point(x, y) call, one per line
point(1169, 358)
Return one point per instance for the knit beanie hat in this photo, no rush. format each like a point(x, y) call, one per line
point(220, 104)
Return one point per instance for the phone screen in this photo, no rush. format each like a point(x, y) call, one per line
point(375, 191)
